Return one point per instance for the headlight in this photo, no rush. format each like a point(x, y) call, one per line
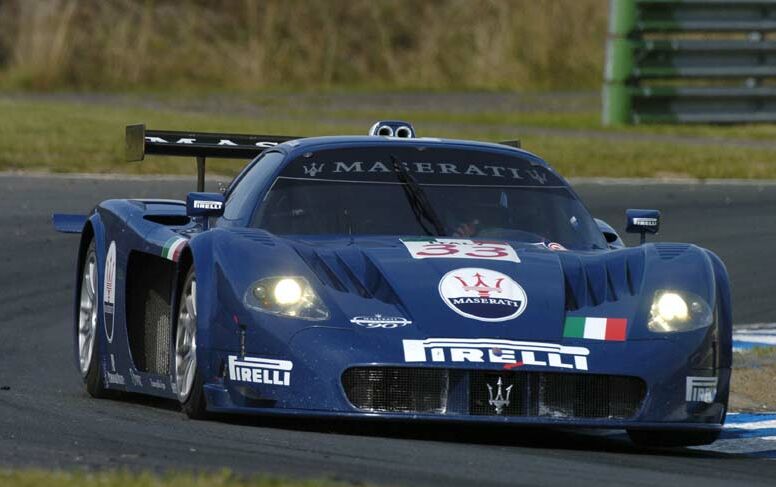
point(674, 311)
point(286, 296)
point(287, 292)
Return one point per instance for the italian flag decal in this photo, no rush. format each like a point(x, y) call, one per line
point(172, 248)
point(609, 329)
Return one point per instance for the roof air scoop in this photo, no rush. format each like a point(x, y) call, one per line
point(393, 128)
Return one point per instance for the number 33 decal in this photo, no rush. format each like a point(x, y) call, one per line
point(460, 249)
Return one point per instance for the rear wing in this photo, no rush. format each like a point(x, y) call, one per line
point(141, 141)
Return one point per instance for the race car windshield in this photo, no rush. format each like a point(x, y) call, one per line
point(477, 194)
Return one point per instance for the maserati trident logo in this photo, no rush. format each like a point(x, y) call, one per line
point(479, 287)
point(499, 402)
point(313, 169)
point(482, 294)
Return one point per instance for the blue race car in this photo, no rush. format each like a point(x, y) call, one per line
point(395, 277)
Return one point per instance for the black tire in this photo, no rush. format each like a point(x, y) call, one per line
point(93, 379)
point(672, 438)
point(194, 405)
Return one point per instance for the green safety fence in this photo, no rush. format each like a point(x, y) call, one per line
point(690, 61)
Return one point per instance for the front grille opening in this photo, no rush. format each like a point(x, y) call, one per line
point(558, 395)
point(397, 389)
point(554, 395)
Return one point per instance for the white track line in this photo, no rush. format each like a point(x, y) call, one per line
point(749, 442)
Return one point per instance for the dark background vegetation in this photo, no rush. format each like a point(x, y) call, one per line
point(472, 69)
point(244, 45)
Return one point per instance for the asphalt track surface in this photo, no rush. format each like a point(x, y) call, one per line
point(47, 419)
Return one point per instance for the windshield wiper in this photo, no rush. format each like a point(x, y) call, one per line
point(418, 200)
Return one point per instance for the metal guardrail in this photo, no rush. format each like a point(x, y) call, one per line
point(690, 61)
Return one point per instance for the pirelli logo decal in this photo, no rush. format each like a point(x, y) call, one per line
point(208, 205)
point(260, 370)
point(701, 389)
point(507, 353)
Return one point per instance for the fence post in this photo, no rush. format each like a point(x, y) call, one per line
point(619, 62)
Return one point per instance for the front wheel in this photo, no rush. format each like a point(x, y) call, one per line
point(88, 319)
point(672, 438)
point(188, 379)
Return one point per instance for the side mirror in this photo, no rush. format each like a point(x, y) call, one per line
point(642, 222)
point(612, 238)
point(204, 204)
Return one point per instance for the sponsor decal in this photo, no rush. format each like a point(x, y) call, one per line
point(645, 222)
point(135, 378)
point(701, 389)
point(191, 140)
point(608, 329)
point(260, 370)
point(172, 248)
point(506, 353)
point(482, 294)
point(208, 205)
point(109, 291)
point(157, 384)
point(330, 165)
point(556, 246)
point(499, 401)
point(458, 248)
point(114, 378)
point(380, 321)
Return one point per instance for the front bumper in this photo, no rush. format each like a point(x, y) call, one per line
point(322, 355)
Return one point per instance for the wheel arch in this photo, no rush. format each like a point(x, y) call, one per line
point(93, 230)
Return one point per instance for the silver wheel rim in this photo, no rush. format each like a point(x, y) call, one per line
point(87, 317)
point(186, 341)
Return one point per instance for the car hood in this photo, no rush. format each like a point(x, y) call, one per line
point(376, 284)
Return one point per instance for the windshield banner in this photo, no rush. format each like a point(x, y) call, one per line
point(435, 166)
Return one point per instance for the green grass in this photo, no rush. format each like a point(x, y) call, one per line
point(62, 136)
point(71, 137)
point(574, 120)
point(37, 478)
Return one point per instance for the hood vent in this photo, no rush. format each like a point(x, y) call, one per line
point(596, 279)
point(668, 251)
point(349, 271)
point(255, 235)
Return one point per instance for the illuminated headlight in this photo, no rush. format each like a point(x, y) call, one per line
point(286, 292)
point(674, 311)
point(286, 296)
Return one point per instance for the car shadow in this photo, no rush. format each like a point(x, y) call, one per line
point(555, 438)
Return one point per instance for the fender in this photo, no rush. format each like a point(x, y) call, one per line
point(725, 311)
point(199, 252)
